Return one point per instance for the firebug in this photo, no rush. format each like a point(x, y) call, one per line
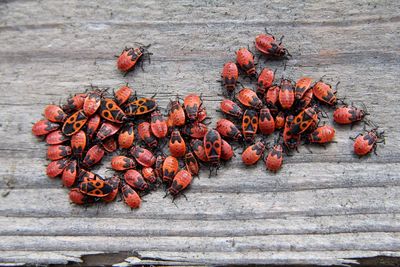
point(74, 123)
point(274, 160)
point(177, 145)
point(122, 163)
point(245, 59)
point(78, 143)
point(44, 127)
point(94, 155)
point(265, 80)
point(158, 125)
point(252, 154)
point(54, 113)
point(143, 156)
point(135, 180)
point(249, 98)
point(230, 75)
point(250, 125)
point(169, 169)
point(181, 180)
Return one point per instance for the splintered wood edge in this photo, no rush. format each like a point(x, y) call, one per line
point(123, 259)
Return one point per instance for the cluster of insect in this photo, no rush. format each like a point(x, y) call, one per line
point(291, 109)
point(153, 149)
point(156, 149)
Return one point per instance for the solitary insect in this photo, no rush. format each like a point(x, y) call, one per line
point(198, 149)
point(349, 114)
point(143, 156)
point(122, 163)
point(78, 144)
point(107, 129)
point(274, 160)
point(227, 129)
point(245, 59)
point(212, 146)
point(266, 122)
point(70, 174)
point(54, 113)
point(286, 94)
point(56, 167)
point(55, 152)
point(365, 143)
point(192, 104)
point(230, 75)
point(249, 98)
point(94, 155)
point(265, 80)
point(231, 108)
point(44, 127)
point(123, 94)
point(302, 86)
point(158, 124)
point(131, 198)
point(250, 125)
point(169, 169)
point(191, 164)
point(110, 111)
point(126, 136)
point(96, 187)
point(92, 125)
point(92, 102)
point(130, 57)
point(181, 180)
point(325, 93)
point(177, 145)
point(145, 134)
point(56, 138)
point(140, 106)
point(253, 153)
point(135, 180)
point(74, 123)
point(322, 135)
point(176, 113)
point(226, 150)
point(268, 45)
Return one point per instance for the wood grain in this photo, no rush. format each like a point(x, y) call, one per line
point(328, 207)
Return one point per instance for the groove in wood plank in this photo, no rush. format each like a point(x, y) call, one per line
point(369, 223)
point(225, 205)
point(339, 242)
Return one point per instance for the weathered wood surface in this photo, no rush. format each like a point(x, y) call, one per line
point(328, 207)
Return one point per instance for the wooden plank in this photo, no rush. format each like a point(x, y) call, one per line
point(327, 224)
point(328, 207)
point(228, 205)
point(361, 241)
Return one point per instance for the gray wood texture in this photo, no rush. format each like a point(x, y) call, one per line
point(328, 207)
